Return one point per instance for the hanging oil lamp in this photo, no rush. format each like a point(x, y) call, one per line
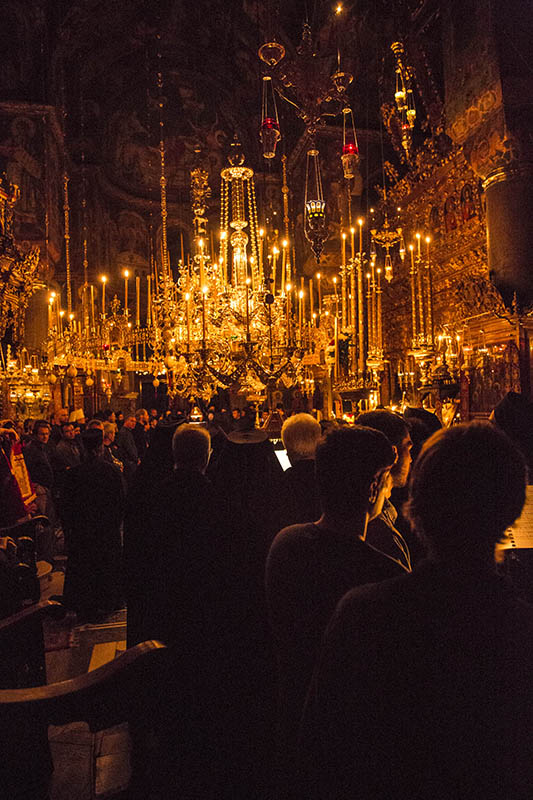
point(315, 227)
point(350, 149)
point(269, 133)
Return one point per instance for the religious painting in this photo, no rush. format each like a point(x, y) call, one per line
point(134, 154)
point(30, 156)
point(468, 206)
point(434, 221)
point(450, 214)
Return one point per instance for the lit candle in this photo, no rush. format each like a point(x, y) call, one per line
point(275, 253)
point(188, 307)
point(182, 251)
point(247, 309)
point(261, 255)
point(202, 276)
point(104, 281)
point(50, 303)
point(369, 313)
point(302, 287)
point(126, 274)
point(431, 329)
point(413, 294)
point(93, 322)
point(204, 293)
point(418, 237)
point(343, 283)
point(352, 236)
point(288, 289)
point(138, 300)
point(336, 364)
point(61, 315)
point(311, 298)
point(318, 276)
point(336, 297)
point(284, 245)
point(149, 301)
point(360, 223)
point(300, 314)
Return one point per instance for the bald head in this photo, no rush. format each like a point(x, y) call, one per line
point(300, 435)
point(191, 447)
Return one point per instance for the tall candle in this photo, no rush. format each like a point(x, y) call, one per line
point(182, 251)
point(149, 301)
point(300, 315)
point(336, 363)
point(104, 281)
point(275, 252)
point(138, 300)
point(311, 299)
point(413, 294)
point(302, 287)
point(93, 321)
point(369, 313)
point(188, 308)
point(283, 265)
point(288, 292)
point(247, 309)
point(318, 277)
point(343, 279)
point(352, 234)
point(352, 307)
point(336, 297)
point(431, 330)
point(126, 276)
point(202, 270)
point(204, 292)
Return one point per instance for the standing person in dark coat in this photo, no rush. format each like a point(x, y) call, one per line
point(311, 566)
point(300, 435)
point(248, 478)
point(67, 452)
point(176, 577)
point(93, 506)
point(140, 431)
point(423, 689)
point(127, 449)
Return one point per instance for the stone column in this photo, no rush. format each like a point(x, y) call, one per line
point(489, 112)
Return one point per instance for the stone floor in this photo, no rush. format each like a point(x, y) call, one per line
point(86, 765)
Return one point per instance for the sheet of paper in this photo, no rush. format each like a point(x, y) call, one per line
point(520, 535)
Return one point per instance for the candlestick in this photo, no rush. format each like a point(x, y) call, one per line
point(283, 264)
point(336, 352)
point(318, 276)
point(302, 287)
point(202, 270)
point(352, 235)
point(50, 303)
point(300, 315)
point(369, 314)
point(261, 254)
point(93, 320)
point(421, 315)
point(188, 307)
point(138, 300)
point(204, 292)
point(429, 281)
point(361, 314)
point(61, 315)
point(352, 307)
point(181, 247)
point(275, 253)
point(149, 301)
point(360, 223)
point(379, 315)
point(311, 298)
point(288, 290)
point(104, 281)
point(126, 276)
point(413, 294)
point(247, 309)
point(343, 281)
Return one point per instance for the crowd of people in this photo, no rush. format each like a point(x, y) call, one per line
point(338, 629)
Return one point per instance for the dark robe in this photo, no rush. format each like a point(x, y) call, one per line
point(93, 506)
point(176, 578)
point(300, 501)
point(423, 691)
point(308, 570)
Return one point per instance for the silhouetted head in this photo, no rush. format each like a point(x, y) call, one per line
point(300, 435)
point(351, 463)
point(191, 447)
point(397, 432)
point(467, 488)
point(93, 441)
